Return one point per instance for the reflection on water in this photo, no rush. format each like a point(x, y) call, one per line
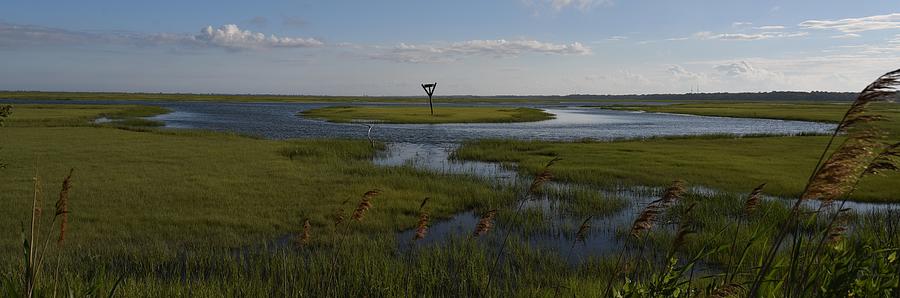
point(280, 121)
point(436, 158)
point(428, 147)
point(557, 228)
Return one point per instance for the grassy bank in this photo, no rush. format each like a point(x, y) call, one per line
point(820, 112)
point(200, 188)
point(422, 115)
point(47, 115)
point(724, 163)
point(711, 97)
point(36, 95)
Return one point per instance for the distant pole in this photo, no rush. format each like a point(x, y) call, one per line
point(429, 89)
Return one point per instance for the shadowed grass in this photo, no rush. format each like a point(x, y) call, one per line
point(422, 115)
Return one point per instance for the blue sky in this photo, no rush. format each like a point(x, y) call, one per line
point(469, 47)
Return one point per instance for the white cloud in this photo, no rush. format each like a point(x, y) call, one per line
point(848, 35)
point(616, 38)
point(706, 35)
point(741, 24)
point(681, 73)
point(229, 37)
point(233, 38)
point(559, 5)
point(770, 27)
point(580, 4)
point(418, 53)
point(851, 25)
point(745, 71)
point(14, 35)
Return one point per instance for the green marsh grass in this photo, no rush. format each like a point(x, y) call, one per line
point(724, 163)
point(192, 213)
point(64, 115)
point(421, 115)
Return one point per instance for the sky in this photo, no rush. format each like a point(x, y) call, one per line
point(470, 47)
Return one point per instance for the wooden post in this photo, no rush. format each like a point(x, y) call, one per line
point(429, 89)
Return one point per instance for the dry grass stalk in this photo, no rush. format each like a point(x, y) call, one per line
point(36, 203)
point(583, 230)
point(365, 204)
point(728, 290)
point(422, 225)
point(753, 200)
point(881, 90)
point(62, 207)
point(543, 177)
point(645, 220)
point(840, 172)
point(485, 223)
point(673, 193)
point(886, 161)
point(305, 235)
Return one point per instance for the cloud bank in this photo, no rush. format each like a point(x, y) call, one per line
point(706, 35)
point(852, 25)
point(229, 37)
point(499, 48)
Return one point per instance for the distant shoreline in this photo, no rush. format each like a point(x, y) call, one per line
point(745, 96)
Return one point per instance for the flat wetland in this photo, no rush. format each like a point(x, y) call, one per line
point(422, 115)
point(263, 199)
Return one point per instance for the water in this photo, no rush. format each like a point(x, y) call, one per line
point(429, 146)
point(280, 121)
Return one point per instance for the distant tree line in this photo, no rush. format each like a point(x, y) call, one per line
point(744, 96)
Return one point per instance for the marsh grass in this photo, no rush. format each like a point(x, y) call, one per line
point(683, 244)
point(63, 115)
point(421, 115)
point(726, 164)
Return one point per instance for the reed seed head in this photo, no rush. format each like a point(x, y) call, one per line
point(365, 204)
point(583, 230)
point(753, 200)
point(485, 223)
point(673, 193)
point(644, 221)
point(886, 161)
point(305, 235)
point(62, 207)
point(422, 225)
point(543, 177)
point(842, 170)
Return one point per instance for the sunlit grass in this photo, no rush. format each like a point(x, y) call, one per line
point(729, 164)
